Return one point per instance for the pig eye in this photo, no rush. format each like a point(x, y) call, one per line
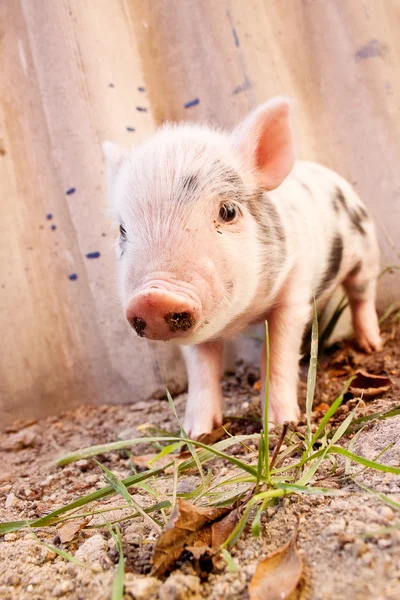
point(227, 212)
point(122, 231)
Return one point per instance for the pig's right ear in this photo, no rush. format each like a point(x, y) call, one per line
point(265, 140)
point(114, 157)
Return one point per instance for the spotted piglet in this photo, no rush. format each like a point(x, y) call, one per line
point(219, 230)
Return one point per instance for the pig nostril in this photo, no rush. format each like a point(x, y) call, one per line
point(139, 325)
point(179, 321)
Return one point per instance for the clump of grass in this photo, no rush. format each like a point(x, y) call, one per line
point(254, 484)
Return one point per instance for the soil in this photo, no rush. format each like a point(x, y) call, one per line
point(344, 556)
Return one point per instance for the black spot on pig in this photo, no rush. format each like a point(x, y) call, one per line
point(334, 262)
point(179, 321)
point(190, 184)
point(357, 214)
point(139, 325)
point(267, 218)
point(233, 178)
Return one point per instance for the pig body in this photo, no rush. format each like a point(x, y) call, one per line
point(218, 231)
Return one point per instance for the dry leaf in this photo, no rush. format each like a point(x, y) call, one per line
point(279, 574)
point(67, 532)
point(367, 385)
point(189, 527)
point(222, 529)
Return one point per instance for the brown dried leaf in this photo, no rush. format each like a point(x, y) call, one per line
point(222, 529)
point(368, 385)
point(68, 531)
point(189, 526)
point(279, 574)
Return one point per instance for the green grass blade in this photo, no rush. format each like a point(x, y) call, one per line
point(306, 477)
point(265, 433)
point(166, 451)
point(356, 458)
point(230, 563)
point(186, 437)
point(386, 499)
point(53, 517)
point(121, 489)
point(312, 372)
point(66, 555)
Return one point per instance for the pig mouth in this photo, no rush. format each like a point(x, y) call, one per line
point(178, 321)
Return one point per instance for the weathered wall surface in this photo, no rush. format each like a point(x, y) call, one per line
point(71, 75)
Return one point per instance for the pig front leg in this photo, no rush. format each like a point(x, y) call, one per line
point(286, 325)
point(204, 403)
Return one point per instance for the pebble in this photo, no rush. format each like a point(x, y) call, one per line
point(10, 537)
point(180, 587)
point(92, 550)
point(11, 500)
point(5, 476)
point(141, 588)
point(21, 439)
point(62, 588)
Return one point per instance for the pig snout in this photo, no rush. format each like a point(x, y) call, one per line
point(161, 314)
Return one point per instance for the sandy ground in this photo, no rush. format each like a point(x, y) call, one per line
point(342, 562)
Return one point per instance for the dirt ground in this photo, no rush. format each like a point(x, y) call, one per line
point(342, 562)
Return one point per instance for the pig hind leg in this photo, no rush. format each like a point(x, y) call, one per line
point(361, 291)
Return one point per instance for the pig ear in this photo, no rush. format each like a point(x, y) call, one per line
point(113, 156)
point(265, 140)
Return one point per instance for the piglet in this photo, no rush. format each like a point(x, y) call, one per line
point(219, 230)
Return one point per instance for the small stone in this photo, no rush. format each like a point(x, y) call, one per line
point(385, 543)
point(141, 588)
point(92, 550)
point(180, 587)
point(10, 537)
point(29, 588)
point(62, 588)
point(5, 477)
point(11, 500)
point(83, 465)
point(22, 439)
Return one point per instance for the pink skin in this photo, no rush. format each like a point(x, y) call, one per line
point(187, 276)
point(163, 311)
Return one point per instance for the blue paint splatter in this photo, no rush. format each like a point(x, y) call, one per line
point(235, 37)
point(49, 216)
point(372, 48)
point(130, 129)
point(141, 89)
point(246, 85)
point(70, 191)
point(93, 255)
point(141, 109)
point(53, 227)
point(73, 277)
point(192, 103)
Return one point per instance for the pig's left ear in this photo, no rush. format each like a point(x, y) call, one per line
point(265, 140)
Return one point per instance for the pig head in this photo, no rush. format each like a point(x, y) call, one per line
point(204, 250)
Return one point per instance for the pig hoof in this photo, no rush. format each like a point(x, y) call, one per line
point(282, 414)
point(369, 343)
point(198, 428)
